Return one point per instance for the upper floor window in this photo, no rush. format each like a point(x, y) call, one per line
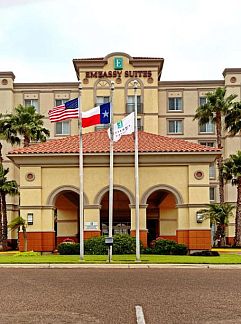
point(207, 143)
point(62, 128)
point(175, 104)
point(202, 101)
point(130, 106)
point(212, 194)
point(207, 127)
point(59, 102)
point(175, 126)
point(212, 171)
point(100, 100)
point(32, 102)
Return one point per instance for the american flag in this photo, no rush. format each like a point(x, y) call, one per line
point(68, 110)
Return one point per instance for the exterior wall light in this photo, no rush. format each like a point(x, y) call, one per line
point(199, 217)
point(30, 218)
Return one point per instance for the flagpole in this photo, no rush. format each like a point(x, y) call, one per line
point(111, 170)
point(138, 259)
point(81, 177)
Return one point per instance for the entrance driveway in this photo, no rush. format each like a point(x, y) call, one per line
point(111, 295)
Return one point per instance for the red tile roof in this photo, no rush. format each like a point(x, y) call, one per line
point(98, 142)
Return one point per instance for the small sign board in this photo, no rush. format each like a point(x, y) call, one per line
point(118, 63)
point(91, 225)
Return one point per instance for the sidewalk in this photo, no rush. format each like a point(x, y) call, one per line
point(122, 266)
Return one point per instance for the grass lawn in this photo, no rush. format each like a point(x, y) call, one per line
point(222, 259)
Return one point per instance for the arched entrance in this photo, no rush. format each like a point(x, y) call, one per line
point(161, 215)
point(121, 213)
point(66, 217)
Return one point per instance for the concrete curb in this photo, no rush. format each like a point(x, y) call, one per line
point(121, 266)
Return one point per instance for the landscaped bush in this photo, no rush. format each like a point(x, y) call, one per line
point(95, 245)
point(167, 247)
point(69, 248)
point(122, 244)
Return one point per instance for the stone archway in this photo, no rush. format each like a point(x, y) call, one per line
point(66, 213)
point(121, 213)
point(162, 213)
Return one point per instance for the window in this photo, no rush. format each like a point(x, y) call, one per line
point(102, 126)
point(139, 124)
point(101, 100)
point(31, 102)
point(207, 128)
point(130, 106)
point(212, 194)
point(208, 143)
point(212, 171)
point(202, 101)
point(175, 126)
point(63, 128)
point(175, 104)
point(59, 102)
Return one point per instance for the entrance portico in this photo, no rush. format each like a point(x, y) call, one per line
point(174, 185)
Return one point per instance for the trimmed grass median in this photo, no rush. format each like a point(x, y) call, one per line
point(121, 259)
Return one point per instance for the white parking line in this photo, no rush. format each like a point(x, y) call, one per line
point(139, 315)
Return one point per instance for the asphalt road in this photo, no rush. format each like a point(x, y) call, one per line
point(110, 295)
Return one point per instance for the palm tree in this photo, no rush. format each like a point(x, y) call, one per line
point(6, 188)
point(26, 122)
point(16, 224)
point(219, 215)
point(232, 172)
point(233, 119)
point(7, 134)
point(216, 106)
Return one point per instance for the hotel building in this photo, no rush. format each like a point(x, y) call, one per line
point(177, 169)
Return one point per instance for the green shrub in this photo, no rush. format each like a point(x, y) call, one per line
point(95, 245)
point(167, 247)
point(69, 248)
point(124, 244)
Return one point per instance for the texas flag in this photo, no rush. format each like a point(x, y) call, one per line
point(97, 115)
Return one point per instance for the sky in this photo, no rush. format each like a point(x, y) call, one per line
point(198, 39)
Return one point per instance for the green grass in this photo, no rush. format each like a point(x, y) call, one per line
point(222, 259)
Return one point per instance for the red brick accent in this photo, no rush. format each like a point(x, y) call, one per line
point(89, 234)
point(38, 241)
point(143, 236)
point(230, 240)
point(195, 239)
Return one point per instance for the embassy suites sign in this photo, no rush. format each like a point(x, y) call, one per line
point(118, 74)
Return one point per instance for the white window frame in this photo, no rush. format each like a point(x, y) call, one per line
point(100, 100)
point(212, 170)
point(130, 105)
point(212, 194)
point(178, 104)
point(207, 143)
point(176, 122)
point(63, 132)
point(32, 102)
point(207, 128)
point(59, 102)
point(204, 99)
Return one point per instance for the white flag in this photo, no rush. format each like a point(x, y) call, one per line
point(123, 127)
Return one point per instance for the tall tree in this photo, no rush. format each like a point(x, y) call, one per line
point(233, 119)
point(219, 215)
point(26, 122)
point(232, 172)
point(216, 106)
point(6, 188)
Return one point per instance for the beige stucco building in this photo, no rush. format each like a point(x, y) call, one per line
point(174, 182)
